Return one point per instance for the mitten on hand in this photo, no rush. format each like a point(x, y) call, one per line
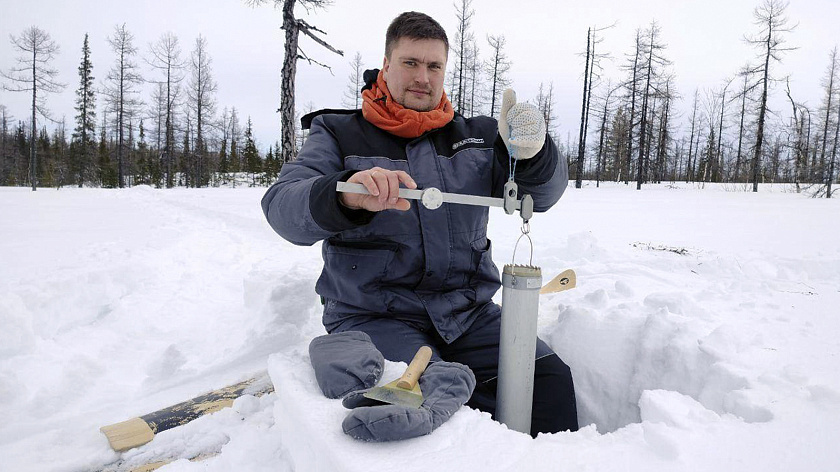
point(521, 126)
point(445, 386)
point(345, 362)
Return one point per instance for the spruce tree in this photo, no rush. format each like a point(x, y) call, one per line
point(250, 154)
point(84, 132)
point(268, 166)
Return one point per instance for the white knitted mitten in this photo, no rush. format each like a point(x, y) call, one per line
point(522, 127)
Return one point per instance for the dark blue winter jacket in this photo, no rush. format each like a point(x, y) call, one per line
point(426, 267)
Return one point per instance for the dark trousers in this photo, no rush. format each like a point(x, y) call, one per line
point(554, 407)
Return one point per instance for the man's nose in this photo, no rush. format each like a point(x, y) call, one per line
point(422, 75)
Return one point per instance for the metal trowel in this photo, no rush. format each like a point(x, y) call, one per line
point(405, 391)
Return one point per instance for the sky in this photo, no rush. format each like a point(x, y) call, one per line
point(545, 39)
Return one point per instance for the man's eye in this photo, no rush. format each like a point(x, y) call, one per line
point(410, 63)
point(434, 67)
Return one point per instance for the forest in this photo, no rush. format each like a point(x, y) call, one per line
point(629, 128)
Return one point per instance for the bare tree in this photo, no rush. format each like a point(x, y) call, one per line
point(583, 112)
point(772, 22)
point(830, 85)
point(201, 95)
point(664, 133)
point(655, 61)
point(166, 58)
point(746, 88)
point(292, 52)
point(605, 113)
point(545, 103)
point(832, 162)
point(355, 82)
point(463, 38)
point(689, 167)
point(497, 69)
point(476, 101)
point(632, 91)
point(591, 63)
point(121, 91)
point(33, 73)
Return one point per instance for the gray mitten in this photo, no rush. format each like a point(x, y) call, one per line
point(345, 362)
point(445, 386)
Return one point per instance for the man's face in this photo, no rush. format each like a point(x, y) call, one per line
point(415, 72)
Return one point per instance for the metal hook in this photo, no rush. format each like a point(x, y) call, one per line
point(526, 228)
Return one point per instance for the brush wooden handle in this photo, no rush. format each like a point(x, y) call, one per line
point(415, 369)
point(565, 280)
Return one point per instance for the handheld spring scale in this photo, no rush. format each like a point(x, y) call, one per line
point(432, 198)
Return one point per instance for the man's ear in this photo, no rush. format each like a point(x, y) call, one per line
point(386, 65)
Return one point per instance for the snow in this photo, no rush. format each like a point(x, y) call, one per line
point(702, 335)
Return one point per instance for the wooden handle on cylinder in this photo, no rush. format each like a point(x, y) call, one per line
point(415, 369)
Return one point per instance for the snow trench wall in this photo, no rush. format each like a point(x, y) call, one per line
point(618, 352)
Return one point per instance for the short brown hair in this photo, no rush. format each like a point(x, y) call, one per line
point(413, 25)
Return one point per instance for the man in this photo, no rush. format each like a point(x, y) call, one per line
point(404, 274)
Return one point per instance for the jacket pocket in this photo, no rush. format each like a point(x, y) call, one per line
point(484, 281)
point(353, 275)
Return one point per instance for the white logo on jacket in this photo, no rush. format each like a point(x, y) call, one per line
point(467, 141)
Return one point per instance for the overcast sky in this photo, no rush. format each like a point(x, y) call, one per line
point(544, 39)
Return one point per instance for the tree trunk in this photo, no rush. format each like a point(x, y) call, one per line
point(287, 86)
point(643, 125)
point(741, 130)
point(759, 140)
point(830, 178)
point(632, 111)
point(33, 159)
point(718, 159)
point(601, 141)
point(689, 166)
point(583, 108)
point(121, 124)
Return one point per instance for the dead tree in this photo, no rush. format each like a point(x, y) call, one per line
point(583, 107)
point(34, 73)
point(202, 102)
point(600, 165)
point(832, 163)
point(121, 91)
point(591, 62)
point(718, 174)
point(292, 52)
point(772, 22)
point(800, 155)
point(829, 82)
point(463, 38)
point(497, 69)
point(746, 73)
point(689, 167)
point(355, 82)
point(166, 57)
point(655, 61)
point(664, 130)
point(632, 85)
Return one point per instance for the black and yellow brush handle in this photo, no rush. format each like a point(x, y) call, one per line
point(415, 369)
point(138, 431)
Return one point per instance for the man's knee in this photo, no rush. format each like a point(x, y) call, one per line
point(554, 408)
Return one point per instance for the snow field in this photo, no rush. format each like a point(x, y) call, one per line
point(725, 357)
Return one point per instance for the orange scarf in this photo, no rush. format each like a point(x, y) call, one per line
point(379, 108)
